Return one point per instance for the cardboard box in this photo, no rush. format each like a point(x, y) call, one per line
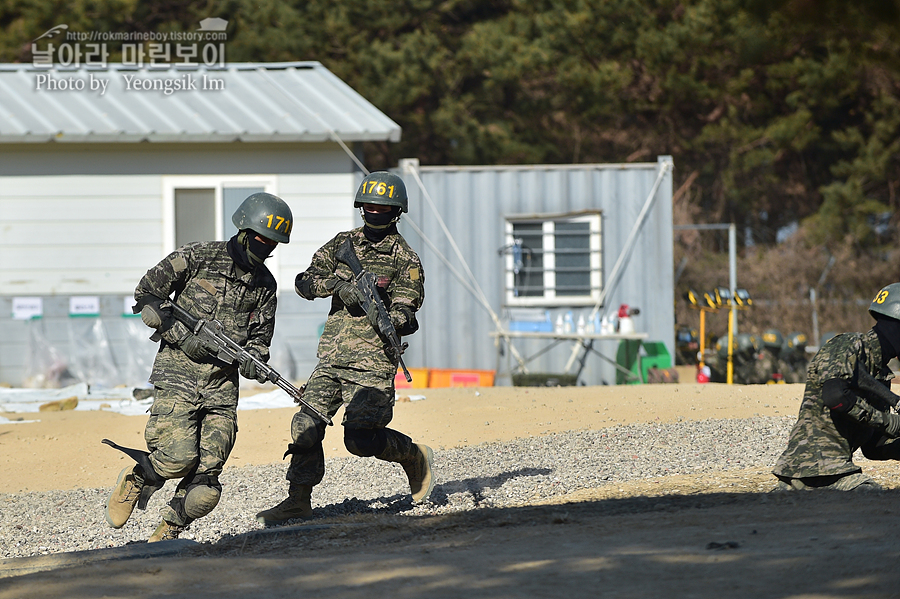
point(420, 378)
point(449, 377)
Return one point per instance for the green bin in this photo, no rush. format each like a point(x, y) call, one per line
point(657, 355)
point(628, 360)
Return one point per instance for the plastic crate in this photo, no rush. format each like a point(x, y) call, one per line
point(420, 378)
point(448, 377)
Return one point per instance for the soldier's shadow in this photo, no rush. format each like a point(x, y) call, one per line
point(440, 496)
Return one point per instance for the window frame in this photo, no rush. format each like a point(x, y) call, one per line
point(548, 232)
point(218, 183)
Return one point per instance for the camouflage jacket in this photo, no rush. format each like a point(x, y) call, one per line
point(765, 365)
point(206, 283)
point(822, 442)
point(796, 370)
point(349, 340)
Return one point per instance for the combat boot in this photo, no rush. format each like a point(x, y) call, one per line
point(418, 470)
point(166, 531)
point(296, 505)
point(123, 497)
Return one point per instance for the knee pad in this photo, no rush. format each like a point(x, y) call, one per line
point(306, 431)
point(365, 442)
point(202, 496)
point(175, 466)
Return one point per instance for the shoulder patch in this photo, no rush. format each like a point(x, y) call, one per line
point(208, 286)
point(414, 273)
point(178, 263)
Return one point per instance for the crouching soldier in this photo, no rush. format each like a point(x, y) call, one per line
point(847, 405)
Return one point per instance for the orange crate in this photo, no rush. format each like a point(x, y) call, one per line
point(420, 378)
point(449, 377)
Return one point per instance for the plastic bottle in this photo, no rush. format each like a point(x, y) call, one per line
point(569, 326)
point(579, 328)
point(611, 325)
point(559, 324)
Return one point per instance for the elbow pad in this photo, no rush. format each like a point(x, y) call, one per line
point(837, 395)
point(303, 286)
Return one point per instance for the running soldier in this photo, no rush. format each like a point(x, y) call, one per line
point(356, 365)
point(193, 419)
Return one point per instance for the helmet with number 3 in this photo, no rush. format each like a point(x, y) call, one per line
point(382, 187)
point(887, 302)
point(268, 215)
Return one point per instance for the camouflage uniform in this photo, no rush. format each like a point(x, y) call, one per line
point(822, 442)
point(764, 366)
point(354, 367)
point(743, 368)
point(717, 366)
point(795, 366)
point(193, 420)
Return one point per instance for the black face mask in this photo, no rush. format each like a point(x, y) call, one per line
point(257, 251)
point(247, 252)
point(888, 331)
point(238, 253)
point(380, 220)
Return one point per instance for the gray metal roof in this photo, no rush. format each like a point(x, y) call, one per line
point(257, 102)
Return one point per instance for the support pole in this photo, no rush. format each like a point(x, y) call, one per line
point(732, 282)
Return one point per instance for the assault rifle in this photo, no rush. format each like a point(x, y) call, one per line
point(212, 335)
point(365, 283)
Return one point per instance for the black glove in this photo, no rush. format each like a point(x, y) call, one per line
point(404, 320)
point(303, 286)
point(249, 370)
point(194, 347)
point(348, 293)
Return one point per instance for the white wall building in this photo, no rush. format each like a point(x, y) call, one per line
point(95, 189)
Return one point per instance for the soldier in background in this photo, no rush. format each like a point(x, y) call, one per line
point(687, 344)
point(743, 358)
point(795, 358)
point(717, 360)
point(193, 419)
point(769, 366)
point(847, 406)
point(354, 366)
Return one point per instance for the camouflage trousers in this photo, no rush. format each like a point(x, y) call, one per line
point(855, 481)
point(369, 400)
point(191, 434)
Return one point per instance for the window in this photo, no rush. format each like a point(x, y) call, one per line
point(200, 208)
point(195, 211)
point(553, 260)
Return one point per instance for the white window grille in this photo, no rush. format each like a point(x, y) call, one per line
point(553, 260)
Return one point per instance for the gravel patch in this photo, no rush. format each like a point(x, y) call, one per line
point(491, 475)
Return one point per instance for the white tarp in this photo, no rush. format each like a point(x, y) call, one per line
point(118, 400)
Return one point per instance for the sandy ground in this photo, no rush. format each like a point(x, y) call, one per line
point(682, 536)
